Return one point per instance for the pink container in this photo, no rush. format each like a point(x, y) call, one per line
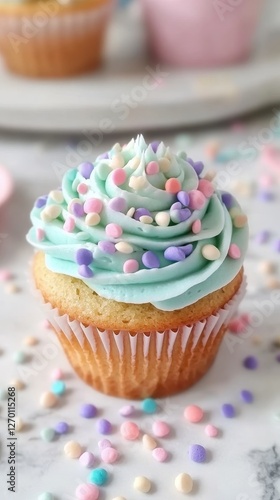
point(201, 32)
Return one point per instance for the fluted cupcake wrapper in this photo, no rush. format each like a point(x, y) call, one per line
point(138, 365)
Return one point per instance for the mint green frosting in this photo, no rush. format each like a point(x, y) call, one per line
point(174, 284)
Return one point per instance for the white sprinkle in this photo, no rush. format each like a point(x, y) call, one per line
point(146, 219)
point(123, 247)
point(92, 219)
point(57, 196)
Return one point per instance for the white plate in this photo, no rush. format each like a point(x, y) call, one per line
point(183, 97)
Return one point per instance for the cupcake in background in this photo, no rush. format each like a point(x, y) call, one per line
point(53, 38)
point(201, 32)
point(139, 263)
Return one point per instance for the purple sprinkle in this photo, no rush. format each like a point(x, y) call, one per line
point(41, 202)
point(61, 428)
point(104, 443)
point(198, 166)
point(85, 169)
point(178, 216)
point(262, 236)
point(140, 212)
point(150, 260)
point(184, 198)
point(265, 195)
point(104, 426)
point(247, 396)
point(228, 410)
point(78, 209)
point(176, 206)
point(106, 247)
point(277, 246)
point(85, 271)
point(187, 249)
point(127, 410)
point(83, 256)
point(103, 156)
point(251, 363)
point(227, 199)
point(88, 411)
point(197, 453)
point(278, 358)
point(174, 254)
point(118, 204)
point(155, 145)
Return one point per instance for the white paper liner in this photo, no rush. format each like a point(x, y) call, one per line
point(202, 331)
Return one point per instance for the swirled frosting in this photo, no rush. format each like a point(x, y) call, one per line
point(140, 225)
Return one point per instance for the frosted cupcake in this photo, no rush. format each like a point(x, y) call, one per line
point(201, 32)
point(140, 265)
point(53, 38)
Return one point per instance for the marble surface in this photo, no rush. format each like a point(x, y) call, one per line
point(243, 463)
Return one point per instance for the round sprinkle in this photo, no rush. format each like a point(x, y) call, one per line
point(58, 387)
point(251, 363)
point(130, 431)
point(160, 428)
point(104, 426)
point(140, 212)
point(50, 213)
point(150, 260)
point(87, 459)
point(183, 197)
point(130, 266)
point(84, 257)
point(127, 410)
point(124, 247)
point(173, 186)
point(107, 247)
point(118, 204)
point(30, 341)
point(41, 202)
point(174, 254)
point(47, 434)
point(77, 209)
point(228, 410)
point(152, 168)
point(92, 219)
point(40, 234)
point(86, 169)
point(146, 219)
point(149, 405)
point(196, 227)
point(73, 449)
point(98, 476)
point(61, 428)
point(57, 374)
point(113, 230)
point(162, 219)
point(234, 251)
point(57, 196)
point(211, 431)
point(210, 252)
point(88, 411)
point(160, 454)
point(109, 455)
point(227, 199)
point(3, 394)
point(247, 396)
point(69, 225)
point(180, 215)
point(240, 221)
point(149, 442)
point(206, 187)
point(82, 188)
point(48, 400)
point(46, 496)
point(118, 176)
point(19, 357)
point(184, 483)
point(197, 453)
point(193, 414)
point(142, 484)
point(85, 271)
point(104, 443)
point(17, 383)
point(87, 492)
point(93, 205)
point(197, 200)
point(19, 424)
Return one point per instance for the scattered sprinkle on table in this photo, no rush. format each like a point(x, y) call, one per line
point(47, 434)
point(109, 455)
point(142, 483)
point(19, 424)
point(127, 410)
point(119, 498)
point(228, 410)
point(17, 384)
point(160, 428)
point(130, 431)
point(73, 449)
point(247, 396)
point(104, 443)
point(104, 426)
point(149, 405)
point(58, 387)
point(46, 496)
point(184, 483)
point(57, 374)
point(251, 363)
point(20, 357)
point(48, 400)
point(30, 341)
point(61, 428)
point(88, 411)
point(193, 413)
point(197, 453)
point(87, 492)
point(149, 442)
point(3, 394)
point(87, 459)
point(98, 476)
point(211, 431)
point(160, 454)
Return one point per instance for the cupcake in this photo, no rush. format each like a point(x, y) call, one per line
point(200, 32)
point(53, 38)
point(139, 264)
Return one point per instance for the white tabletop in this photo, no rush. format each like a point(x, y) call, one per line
point(244, 462)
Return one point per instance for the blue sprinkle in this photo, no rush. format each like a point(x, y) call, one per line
point(149, 405)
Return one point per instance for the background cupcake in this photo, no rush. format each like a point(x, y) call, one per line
point(140, 268)
point(200, 32)
point(53, 38)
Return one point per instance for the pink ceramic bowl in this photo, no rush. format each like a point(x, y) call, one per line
point(201, 32)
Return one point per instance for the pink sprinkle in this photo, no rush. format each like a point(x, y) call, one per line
point(196, 227)
point(160, 428)
point(118, 176)
point(82, 188)
point(5, 275)
point(239, 323)
point(152, 168)
point(104, 443)
point(113, 230)
point(93, 205)
point(57, 374)
point(206, 187)
point(197, 200)
point(160, 454)
point(130, 266)
point(109, 455)
point(69, 225)
point(87, 492)
point(266, 180)
point(211, 431)
point(40, 234)
point(46, 324)
point(234, 251)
